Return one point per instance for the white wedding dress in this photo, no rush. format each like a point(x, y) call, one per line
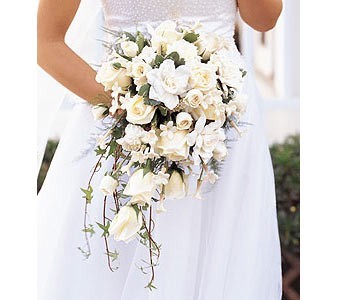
point(225, 247)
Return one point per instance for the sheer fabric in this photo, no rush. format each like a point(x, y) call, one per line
point(225, 247)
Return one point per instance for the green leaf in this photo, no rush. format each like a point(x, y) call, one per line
point(90, 230)
point(88, 194)
point(148, 167)
point(144, 90)
point(140, 41)
point(151, 102)
point(85, 253)
point(104, 228)
point(130, 36)
point(191, 37)
point(117, 65)
point(180, 62)
point(112, 148)
point(163, 110)
point(158, 60)
point(113, 255)
point(99, 151)
point(174, 56)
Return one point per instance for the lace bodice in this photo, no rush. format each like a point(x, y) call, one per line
point(216, 15)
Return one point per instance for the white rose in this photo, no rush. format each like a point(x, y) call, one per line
point(125, 224)
point(108, 75)
point(208, 44)
point(167, 82)
point(175, 148)
point(183, 121)
point(177, 187)
point(138, 112)
point(99, 111)
point(129, 48)
point(108, 185)
point(185, 50)
point(138, 68)
point(202, 77)
point(166, 33)
point(140, 187)
point(194, 98)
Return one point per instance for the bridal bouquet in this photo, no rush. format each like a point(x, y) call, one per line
point(175, 90)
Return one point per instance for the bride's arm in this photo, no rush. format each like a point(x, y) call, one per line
point(56, 58)
point(262, 15)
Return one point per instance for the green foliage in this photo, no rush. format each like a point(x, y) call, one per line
point(144, 90)
point(140, 40)
point(191, 37)
point(117, 65)
point(88, 194)
point(286, 164)
point(105, 228)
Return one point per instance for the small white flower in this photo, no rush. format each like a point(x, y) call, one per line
point(150, 137)
point(229, 71)
point(147, 54)
point(138, 156)
point(205, 139)
point(108, 185)
point(211, 177)
point(168, 129)
point(161, 208)
point(220, 152)
point(132, 138)
point(161, 178)
point(208, 44)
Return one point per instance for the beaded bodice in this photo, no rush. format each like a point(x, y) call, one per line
point(215, 15)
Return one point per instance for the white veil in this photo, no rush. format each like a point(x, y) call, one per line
point(81, 37)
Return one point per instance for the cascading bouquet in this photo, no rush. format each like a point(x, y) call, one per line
point(174, 93)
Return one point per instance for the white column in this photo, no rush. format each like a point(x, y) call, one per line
point(291, 48)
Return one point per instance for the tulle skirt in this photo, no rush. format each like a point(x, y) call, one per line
point(225, 246)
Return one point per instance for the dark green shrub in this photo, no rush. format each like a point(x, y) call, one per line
point(286, 164)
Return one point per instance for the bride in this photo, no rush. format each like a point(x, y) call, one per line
point(225, 247)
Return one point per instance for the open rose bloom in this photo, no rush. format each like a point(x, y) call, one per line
point(175, 90)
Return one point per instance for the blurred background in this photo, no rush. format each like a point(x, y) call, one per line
point(275, 58)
